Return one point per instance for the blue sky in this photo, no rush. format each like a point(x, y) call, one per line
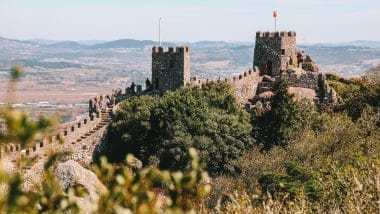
point(190, 20)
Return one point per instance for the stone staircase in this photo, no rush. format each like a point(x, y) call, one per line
point(106, 118)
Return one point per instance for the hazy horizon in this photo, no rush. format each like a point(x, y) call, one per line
point(91, 42)
point(315, 21)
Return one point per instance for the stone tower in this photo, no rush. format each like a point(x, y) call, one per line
point(275, 51)
point(170, 69)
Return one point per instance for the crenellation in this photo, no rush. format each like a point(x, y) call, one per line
point(172, 50)
point(158, 50)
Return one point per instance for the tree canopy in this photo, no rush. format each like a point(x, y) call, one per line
point(160, 130)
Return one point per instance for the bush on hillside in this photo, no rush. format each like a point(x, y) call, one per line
point(208, 119)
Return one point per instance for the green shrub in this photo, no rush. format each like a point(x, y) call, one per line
point(297, 181)
point(208, 119)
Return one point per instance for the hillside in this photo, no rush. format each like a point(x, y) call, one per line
point(291, 157)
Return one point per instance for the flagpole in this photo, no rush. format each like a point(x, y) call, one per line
point(159, 31)
point(275, 19)
point(275, 24)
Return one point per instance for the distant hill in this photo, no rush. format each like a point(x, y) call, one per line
point(44, 41)
point(14, 41)
point(53, 42)
point(68, 45)
point(124, 43)
point(357, 43)
point(366, 43)
point(133, 43)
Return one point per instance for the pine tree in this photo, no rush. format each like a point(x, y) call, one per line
point(272, 127)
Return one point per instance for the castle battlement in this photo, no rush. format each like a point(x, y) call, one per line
point(235, 79)
point(158, 49)
point(277, 34)
point(179, 49)
point(244, 84)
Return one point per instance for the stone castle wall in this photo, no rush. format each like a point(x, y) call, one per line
point(68, 133)
point(301, 78)
point(83, 139)
point(244, 85)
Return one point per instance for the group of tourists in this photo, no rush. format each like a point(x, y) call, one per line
point(96, 104)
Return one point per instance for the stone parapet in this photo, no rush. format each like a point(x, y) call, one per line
point(276, 34)
point(244, 85)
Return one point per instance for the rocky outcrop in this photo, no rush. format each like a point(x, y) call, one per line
point(303, 93)
point(72, 174)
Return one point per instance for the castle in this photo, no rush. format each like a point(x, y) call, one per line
point(275, 58)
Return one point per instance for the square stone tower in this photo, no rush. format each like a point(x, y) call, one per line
point(275, 52)
point(170, 69)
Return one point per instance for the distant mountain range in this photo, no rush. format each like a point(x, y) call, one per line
point(132, 43)
point(356, 43)
point(114, 62)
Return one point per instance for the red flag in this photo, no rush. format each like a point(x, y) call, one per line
point(274, 14)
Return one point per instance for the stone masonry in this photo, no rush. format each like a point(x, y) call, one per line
point(170, 69)
point(84, 139)
point(275, 51)
point(244, 85)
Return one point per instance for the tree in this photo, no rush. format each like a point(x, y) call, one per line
point(285, 118)
point(358, 94)
point(208, 119)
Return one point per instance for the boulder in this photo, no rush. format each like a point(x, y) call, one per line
point(134, 163)
point(72, 174)
point(267, 78)
point(303, 93)
point(266, 95)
